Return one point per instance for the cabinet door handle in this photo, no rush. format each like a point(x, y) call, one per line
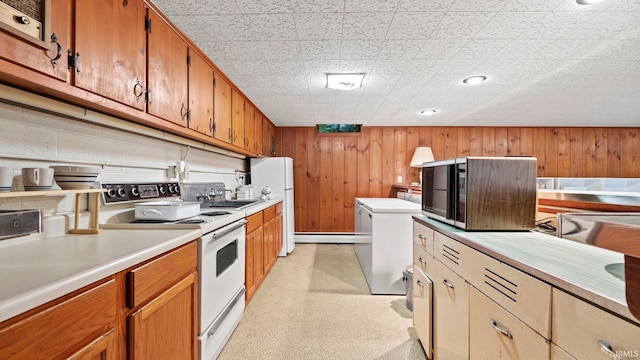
point(422, 237)
point(138, 90)
point(422, 260)
point(419, 282)
point(183, 112)
point(448, 284)
point(54, 39)
point(504, 332)
point(607, 349)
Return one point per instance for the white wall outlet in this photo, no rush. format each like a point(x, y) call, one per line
point(186, 173)
point(399, 179)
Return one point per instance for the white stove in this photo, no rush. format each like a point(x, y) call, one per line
point(221, 250)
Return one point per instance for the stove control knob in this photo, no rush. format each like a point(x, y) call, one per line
point(111, 193)
point(134, 191)
point(173, 189)
point(162, 189)
point(121, 192)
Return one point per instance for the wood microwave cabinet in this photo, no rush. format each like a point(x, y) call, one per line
point(149, 311)
point(264, 242)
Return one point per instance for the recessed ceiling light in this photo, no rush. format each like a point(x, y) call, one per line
point(344, 81)
point(588, 2)
point(428, 112)
point(475, 79)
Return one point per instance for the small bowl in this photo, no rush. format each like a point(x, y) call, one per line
point(75, 177)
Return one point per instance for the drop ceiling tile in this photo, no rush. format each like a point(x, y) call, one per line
point(390, 67)
point(520, 49)
point(262, 6)
point(318, 26)
point(461, 25)
point(415, 79)
point(481, 48)
point(309, 6)
point(370, 5)
point(320, 49)
point(400, 49)
point(478, 5)
point(421, 5)
point(252, 67)
point(414, 25)
point(366, 25)
point(360, 49)
point(509, 25)
point(271, 26)
point(610, 26)
point(292, 80)
point(532, 5)
point(617, 49)
point(440, 49)
point(221, 28)
point(566, 49)
point(234, 50)
point(280, 50)
point(426, 66)
point(557, 25)
point(186, 7)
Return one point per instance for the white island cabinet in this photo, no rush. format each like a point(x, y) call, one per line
point(383, 241)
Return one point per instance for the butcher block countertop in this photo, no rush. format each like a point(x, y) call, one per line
point(586, 271)
point(34, 272)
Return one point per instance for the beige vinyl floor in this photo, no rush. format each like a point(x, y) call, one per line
point(315, 304)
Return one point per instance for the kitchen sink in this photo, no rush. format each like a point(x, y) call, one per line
point(235, 204)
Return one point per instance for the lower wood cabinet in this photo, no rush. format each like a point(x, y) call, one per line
point(422, 309)
point(91, 323)
point(166, 327)
point(72, 326)
point(264, 242)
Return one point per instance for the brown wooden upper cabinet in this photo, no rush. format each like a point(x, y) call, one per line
point(168, 72)
point(200, 95)
point(269, 138)
point(221, 108)
point(258, 138)
point(249, 127)
point(48, 56)
point(237, 121)
point(110, 50)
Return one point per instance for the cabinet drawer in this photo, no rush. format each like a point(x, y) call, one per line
point(269, 213)
point(454, 255)
point(279, 208)
point(421, 260)
point(526, 297)
point(584, 330)
point(254, 222)
point(61, 329)
point(423, 236)
point(158, 275)
point(496, 334)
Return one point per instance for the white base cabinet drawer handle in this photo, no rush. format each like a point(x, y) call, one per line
point(607, 349)
point(422, 260)
point(449, 285)
point(504, 332)
point(420, 283)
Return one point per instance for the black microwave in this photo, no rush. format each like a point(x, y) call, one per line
point(481, 193)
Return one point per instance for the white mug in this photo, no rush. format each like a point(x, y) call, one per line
point(6, 178)
point(37, 178)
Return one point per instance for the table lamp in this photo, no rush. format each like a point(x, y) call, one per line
point(422, 155)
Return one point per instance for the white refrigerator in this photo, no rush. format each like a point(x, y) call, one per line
point(277, 173)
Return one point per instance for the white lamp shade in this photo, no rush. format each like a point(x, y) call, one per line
point(422, 155)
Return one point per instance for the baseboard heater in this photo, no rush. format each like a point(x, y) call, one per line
point(325, 238)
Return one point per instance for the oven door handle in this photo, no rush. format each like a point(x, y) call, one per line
point(224, 231)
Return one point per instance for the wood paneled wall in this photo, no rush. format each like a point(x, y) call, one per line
point(331, 170)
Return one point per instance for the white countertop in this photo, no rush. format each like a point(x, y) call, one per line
point(389, 205)
point(37, 271)
point(261, 206)
point(586, 271)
